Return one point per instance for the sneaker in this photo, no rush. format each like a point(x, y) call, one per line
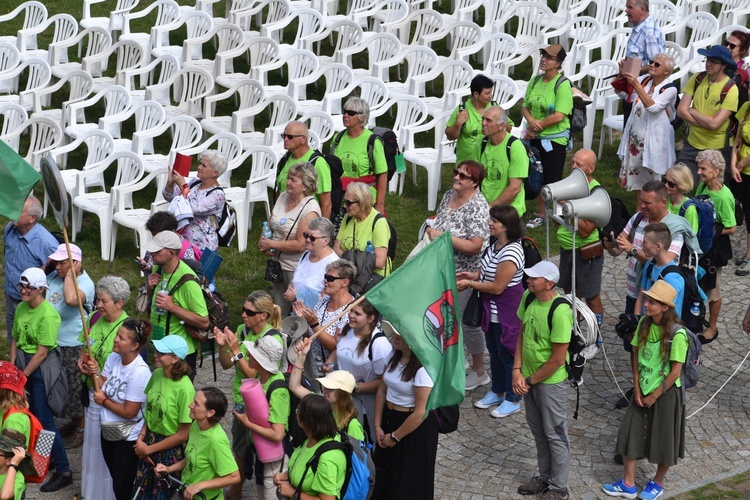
point(739, 261)
point(554, 495)
point(743, 269)
point(651, 491)
point(473, 380)
point(57, 481)
point(505, 409)
point(74, 441)
point(490, 399)
point(533, 487)
point(620, 489)
point(535, 222)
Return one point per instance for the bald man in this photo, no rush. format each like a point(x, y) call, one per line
point(299, 151)
point(588, 271)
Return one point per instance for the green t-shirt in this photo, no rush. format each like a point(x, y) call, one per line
point(353, 155)
point(355, 234)
point(691, 214)
point(542, 101)
point(35, 327)
point(102, 336)
point(354, 429)
point(470, 137)
point(501, 168)
point(239, 376)
point(279, 405)
point(19, 485)
point(651, 369)
point(20, 422)
point(708, 104)
point(190, 297)
point(565, 237)
point(321, 167)
point(538, 340)
point(745, 146)
point(329, 477)
point(723, 203)
point(208, 456)
point(167, 402)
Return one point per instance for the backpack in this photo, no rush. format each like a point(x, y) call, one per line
point(693, 313)
point(532, 183)
point(218, 310)
point(531, 254)
point(691, 368)
point(732, 129)
point(295, 435)
point(359, 479)
point(226, 225)
point(585, 339)
point(362, 272)
point(334, 163)
point(578, 118)
point(39, 457)
point(393, 154)
point(676, 121)
point(617, 221)
point(704, 206)
point(742, 86)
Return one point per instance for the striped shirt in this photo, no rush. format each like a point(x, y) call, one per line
point(492, 258)
point(646, 40)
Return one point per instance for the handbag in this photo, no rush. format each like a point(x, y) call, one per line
point(117, 431)
point(142, 300)
point(592, 250)
point(421, 245)
point(274, 273)
point(447, 418)
point(473, 311)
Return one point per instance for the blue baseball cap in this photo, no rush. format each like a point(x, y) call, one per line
point(172, 344)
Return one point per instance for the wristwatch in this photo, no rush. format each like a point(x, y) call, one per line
point(528, 381)
point(633, 252)
point(237, 357)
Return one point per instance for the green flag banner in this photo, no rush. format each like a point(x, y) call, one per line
point(17, 179)
point(420, 300)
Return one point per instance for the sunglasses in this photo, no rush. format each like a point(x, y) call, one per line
point(312, 238)
point(656, 64)
point(250, 312)
point(462, 176)
point(668, 183)
point(24, 286)
point(730, 45)
point(549, 57)
point(289, 136)
point(158, 354)
point(349, 203)
point(330, 278)
point(351, 112)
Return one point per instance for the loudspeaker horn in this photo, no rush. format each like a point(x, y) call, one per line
point(574, 186)
point(596, 207)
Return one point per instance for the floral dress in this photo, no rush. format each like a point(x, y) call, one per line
point(207, 205)
point(317, 350)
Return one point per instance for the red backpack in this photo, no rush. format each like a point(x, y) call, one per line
point(40, 462)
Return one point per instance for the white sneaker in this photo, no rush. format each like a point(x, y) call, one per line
point(535, 222)
point(505, 409)
point(473, 380)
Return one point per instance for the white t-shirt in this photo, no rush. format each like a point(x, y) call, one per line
point(125, 383)
point(308, 278)
point(361, 367)
point(402, 393)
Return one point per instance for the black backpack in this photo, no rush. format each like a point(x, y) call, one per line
point(531, 254)
point(295, 435)
point(532, 183)
point(578, 118)
point(693, 313)
point(390, 147)
point(392, 242)
point(618, 220)
point(334, 163)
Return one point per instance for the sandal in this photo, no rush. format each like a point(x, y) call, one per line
point(702, 337)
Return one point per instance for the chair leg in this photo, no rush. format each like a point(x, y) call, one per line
point(112, 241)
point(242, 228)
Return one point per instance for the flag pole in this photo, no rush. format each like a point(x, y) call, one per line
point(335, 318)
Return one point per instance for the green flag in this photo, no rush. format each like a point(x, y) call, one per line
point(17, 179)
point(420, 300)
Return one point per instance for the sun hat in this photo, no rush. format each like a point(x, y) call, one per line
point(555, 50)
point(165, 239)
point(12, 378)
point(339, 379)
point(172, 344)
point(721, 53)
point(62, 253)
point(35, 277)
point(544, 269)
point(7, 443)
point(388, 329)
point(267, 351)
point(663, 292)
point(294, 327)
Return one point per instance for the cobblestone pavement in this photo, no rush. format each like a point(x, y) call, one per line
point(488, 458)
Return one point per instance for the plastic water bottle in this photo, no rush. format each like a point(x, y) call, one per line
point(163, 289)
point(551, 110)
point(267, 233)
point(369, 248)
point(695, 309)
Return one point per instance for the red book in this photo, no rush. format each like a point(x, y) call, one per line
point(182, 164)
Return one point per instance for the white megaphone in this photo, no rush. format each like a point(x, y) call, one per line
point(596, 207)
point(574, 186)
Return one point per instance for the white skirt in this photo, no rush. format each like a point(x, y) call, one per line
point(96, 482)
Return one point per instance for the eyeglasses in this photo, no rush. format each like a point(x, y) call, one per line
point(25, 286)
point(730, 45)
point(351, 112)
point(668, 183)
point(462, 176)
point(330, 278)
point(349, 203)
point(312, 238)
point(656, 64)
point(158, 354)
point(549, 57)
point(290, 136)
point(250, 312)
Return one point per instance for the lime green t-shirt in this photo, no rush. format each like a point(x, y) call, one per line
point(35, 327)
point(208, 456)
point(723, 203)
point(102, 336)
point(355, 234)
point(239, 376)
point(470, 137)
point(538, 340)
point(353, 155)
point(691, 214)
point(565, 237)
point(329, 477)
point(502, 167)
point(541, 100)
point(19, 484)
point(651, 369)
point(321, 167)
point(167, 402)
point(745, 146)
point(20, 422)
point(190, 297)
point(708, 103)
point(354, 429)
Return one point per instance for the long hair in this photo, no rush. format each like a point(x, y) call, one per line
point(411, 368)
point(343, 409)
point(10, 399)
point(369, 310)
point(668, 320)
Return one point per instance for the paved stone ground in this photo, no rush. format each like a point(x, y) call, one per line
point(488, 458)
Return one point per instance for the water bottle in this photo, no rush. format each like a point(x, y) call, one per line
point(267, 233)
point(369, 248)
point(163, 289)
point(551, 110)
point(695, 309)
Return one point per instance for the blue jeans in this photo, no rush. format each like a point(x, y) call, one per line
point(38, 406)
point(501, 364)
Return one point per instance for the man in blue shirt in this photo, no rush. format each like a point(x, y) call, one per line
point(656, 242)
point(27, 244)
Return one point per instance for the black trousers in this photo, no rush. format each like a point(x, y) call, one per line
point(122, 462)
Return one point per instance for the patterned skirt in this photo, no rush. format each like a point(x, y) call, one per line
point(151, 487)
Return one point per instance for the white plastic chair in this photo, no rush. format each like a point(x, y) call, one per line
point(506, 92)
point(74, 87)
point(34, 13)
point(146, 115)
point(456, 76)
point(281, 110)
point(320, 124)
point(128, 56)
point(166, 19)
point(339, 81)
point(198, 27)
point(112, 23)
point(610, 13)
point(12, 116)
point(532, 21)
point(96, 40)
point(567, 10)
point(64, 26)
point(734, 12)
point(226, 143)
point(418, 24)
point(598, 88)
point(302, 69)
point(158, 71)
point(382, 17)
point(498, 50)
point(383, 50)
point(116, 99)
point(464, 37)
point(187, 88)
point(421, 62)
point(231, 44)
point(37, 75)
point(44, 134)
point(263, 56)
point(410, 111)
point(9, 59)
point(702, 27)
point(348, 36)
point(250, 95)
point(575, 35)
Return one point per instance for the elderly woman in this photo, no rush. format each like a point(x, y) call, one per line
point(112, 293)
point(362, 225)
point(206, 199)
point(546, 107)
point(711, 172)
point(647, 146)
point(465, 212)
point(741, 175)
point(351, 146)
point(34, 341)
point(308, 277)
point(336, 297)
point(291, 215)
point(679, 182)
point(61, 295)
